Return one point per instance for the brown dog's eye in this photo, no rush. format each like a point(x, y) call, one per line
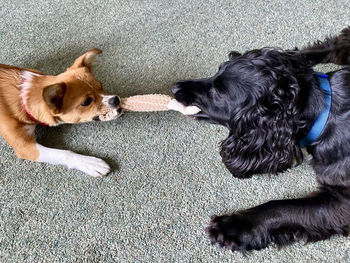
point(87, 102)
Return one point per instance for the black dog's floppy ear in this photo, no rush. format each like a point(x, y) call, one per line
point(233, 54)
point(262, 133)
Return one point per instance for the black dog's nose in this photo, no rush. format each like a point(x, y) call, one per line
point(176, 88)
point(114, 102)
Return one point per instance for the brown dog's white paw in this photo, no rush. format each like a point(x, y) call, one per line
point(90, 165)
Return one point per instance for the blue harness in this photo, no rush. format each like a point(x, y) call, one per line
point(321, 121)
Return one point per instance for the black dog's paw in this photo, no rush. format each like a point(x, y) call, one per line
point(236, 232)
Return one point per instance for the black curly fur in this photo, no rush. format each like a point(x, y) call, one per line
point(269, 99)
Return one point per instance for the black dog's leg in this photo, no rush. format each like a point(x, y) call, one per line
point(316, 217)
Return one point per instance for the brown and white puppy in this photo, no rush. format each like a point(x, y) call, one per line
point(29, 97)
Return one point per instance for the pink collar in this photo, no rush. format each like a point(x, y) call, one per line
point(32, 117)
point(27, 110)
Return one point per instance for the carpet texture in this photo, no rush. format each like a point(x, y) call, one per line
point(167, 177)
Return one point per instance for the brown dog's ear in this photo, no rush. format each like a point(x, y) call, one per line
point(53, 96)
point(86, 59)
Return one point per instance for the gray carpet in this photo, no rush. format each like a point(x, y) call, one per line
point(167, 176)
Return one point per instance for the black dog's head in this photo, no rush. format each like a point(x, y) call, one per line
point(255, 95)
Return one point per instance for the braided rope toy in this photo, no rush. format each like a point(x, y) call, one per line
point(151, 102)
point(146, 103)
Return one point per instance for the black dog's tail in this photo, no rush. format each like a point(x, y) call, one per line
point(332, 50)
point(341, 52)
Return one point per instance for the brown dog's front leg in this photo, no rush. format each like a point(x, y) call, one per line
point(21, 138)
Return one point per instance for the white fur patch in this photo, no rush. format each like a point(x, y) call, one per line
point(105, 99)
point(90, 165)
point(27, 77)
point(177, 106)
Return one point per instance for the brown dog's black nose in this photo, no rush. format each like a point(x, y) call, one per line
point(114, 102)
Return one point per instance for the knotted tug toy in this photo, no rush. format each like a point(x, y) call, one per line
point(152, 102)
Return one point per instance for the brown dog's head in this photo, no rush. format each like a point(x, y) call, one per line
point(73, 96)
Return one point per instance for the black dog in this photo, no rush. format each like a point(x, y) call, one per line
point(270, 99)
